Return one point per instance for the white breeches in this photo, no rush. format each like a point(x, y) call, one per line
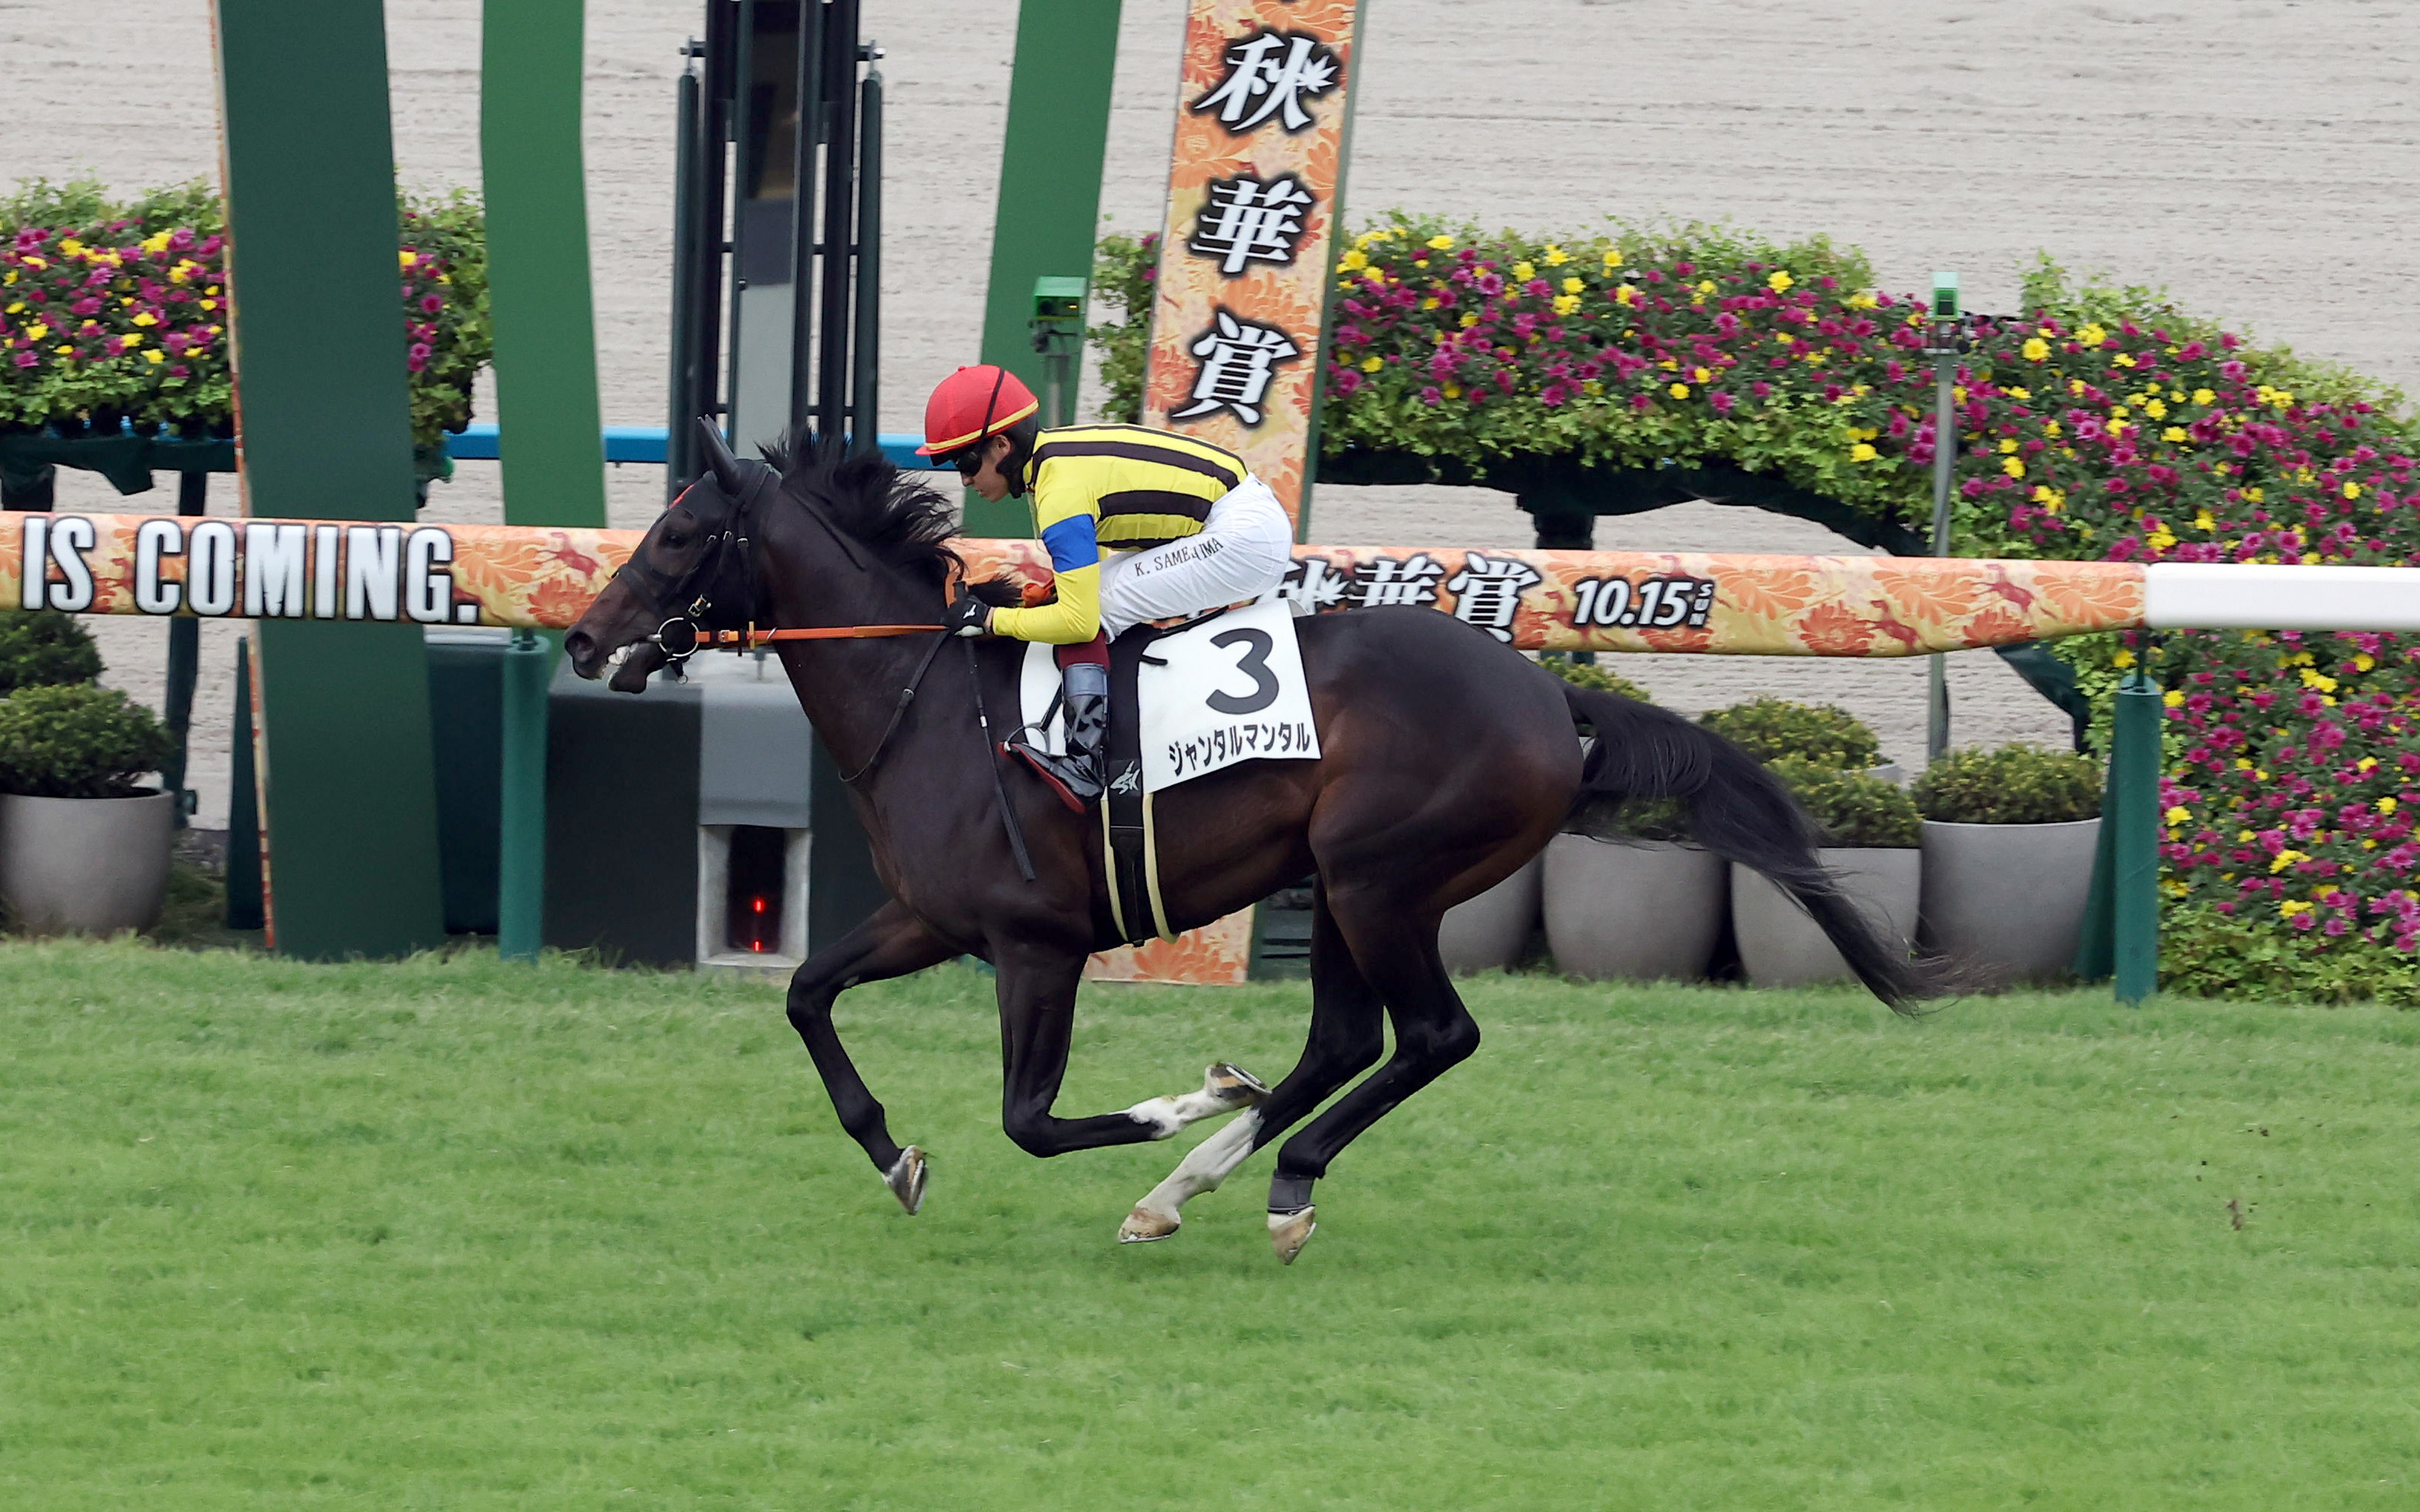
point(1245, 548)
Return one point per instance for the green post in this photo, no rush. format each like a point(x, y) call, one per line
point(244, 898)
point(1049, 193)
point(552, 454)
point(520, 865)
point(318, 344)
point(2134, 883)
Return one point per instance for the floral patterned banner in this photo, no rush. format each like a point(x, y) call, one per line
point(498, 575)
point(1239, 325)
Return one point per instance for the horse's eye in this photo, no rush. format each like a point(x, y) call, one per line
point(676, 539)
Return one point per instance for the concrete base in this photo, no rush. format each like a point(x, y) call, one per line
point(1781, 947)
point(85, 866)
point(1644, 911)
point(1490, 932)
point(2005, 902)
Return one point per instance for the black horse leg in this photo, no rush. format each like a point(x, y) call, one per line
point(1397, 953)
point(1038, 1023)
point(891, 943)
point(1346, 1036)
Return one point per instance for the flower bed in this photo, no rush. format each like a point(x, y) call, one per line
point(117, 311)
point(2102, 423)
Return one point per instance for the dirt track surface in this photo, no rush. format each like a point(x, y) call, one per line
point(2259, 159)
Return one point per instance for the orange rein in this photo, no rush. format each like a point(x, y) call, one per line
point(835, 632)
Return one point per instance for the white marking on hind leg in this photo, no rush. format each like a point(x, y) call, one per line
point(1225, 1088)
point(1202, 1168)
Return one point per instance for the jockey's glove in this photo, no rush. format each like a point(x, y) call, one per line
point(968, 615)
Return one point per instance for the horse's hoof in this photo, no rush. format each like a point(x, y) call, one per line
point(905, 1178)
point(1290, 1231)
point(1142, 1226)
point(1232, 1086)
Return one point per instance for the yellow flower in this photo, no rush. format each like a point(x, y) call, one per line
point(1706, 286)
point(36, 332)
point(2361, 663)
point(155, 242)
point(1613, 256)
point(2008, 444)
point(2205, 396)
point(2018, 394)
point(2172, 698)
point(1555, 256)
point(2123, 658)
point(2092, 336)
point(1566, 303)
point(1626, 295)
point(2175, 433)
point(1701, 374)
point(2156, 408)
point(131, 341)
point(152, 356)
point(2123, 360)
point(147, 319)
point(2053, 429)
point(406, 258)
point(1441, 243)
point(2352, 490)
point(71, 246)
point(210, 304)
point(1573, 286)
point(2386, 806)
point(1525, 270)
point(1779, 280)
point(35, 263)
point(1863, 452)
point(2203, 523)
point(1428, 303)
point(2050, 499)
point(2014, 467)
point(1354, 261)
point(1372, 363)
point(2293, 906)
point(2179, 814)
point(2162, 539)
point(1679, 390)
point(1470, 318)
point(2282, 859)
point(64, 351)
point(2311, 678)
point(1453, 390)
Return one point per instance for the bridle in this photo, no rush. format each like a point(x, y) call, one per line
point(727, 566)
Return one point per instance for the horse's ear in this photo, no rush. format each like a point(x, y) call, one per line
point(724, 466)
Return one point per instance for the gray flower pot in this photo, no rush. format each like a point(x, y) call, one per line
point(1780, 946)
point(2005, 902)
point(88, 866)
point(1490, 932)
point(1644, 910)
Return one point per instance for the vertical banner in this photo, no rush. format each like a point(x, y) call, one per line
point(1254, 186)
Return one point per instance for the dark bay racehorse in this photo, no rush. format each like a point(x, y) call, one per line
point(1448, 760)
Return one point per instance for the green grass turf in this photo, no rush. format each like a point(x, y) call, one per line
point(453, 1235)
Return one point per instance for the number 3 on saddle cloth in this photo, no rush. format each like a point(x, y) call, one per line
point(1183, 702)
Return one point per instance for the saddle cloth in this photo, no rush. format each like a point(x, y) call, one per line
point(1209, 693)
point(1183, 702)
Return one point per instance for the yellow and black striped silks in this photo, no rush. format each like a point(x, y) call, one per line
point(1122, 487)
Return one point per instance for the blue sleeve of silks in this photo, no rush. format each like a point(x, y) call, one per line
point(1073, 543)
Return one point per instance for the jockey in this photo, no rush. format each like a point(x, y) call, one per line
point(1141, 525)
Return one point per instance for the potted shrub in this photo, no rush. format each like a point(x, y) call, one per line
point(1870, 831)
point(1622, 893)
point(82, 848)
point(1821, 735)
point(2008, 842)
point(45, 647)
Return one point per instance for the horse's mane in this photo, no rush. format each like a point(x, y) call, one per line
point(902, 520)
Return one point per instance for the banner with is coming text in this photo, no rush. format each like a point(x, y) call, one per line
point(1255, 184)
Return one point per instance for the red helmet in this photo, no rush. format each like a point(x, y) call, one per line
point(970, 404)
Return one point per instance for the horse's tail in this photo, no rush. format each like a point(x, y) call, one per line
point(1741, 812)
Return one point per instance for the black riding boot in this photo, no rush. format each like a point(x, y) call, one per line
point(1076, 774)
